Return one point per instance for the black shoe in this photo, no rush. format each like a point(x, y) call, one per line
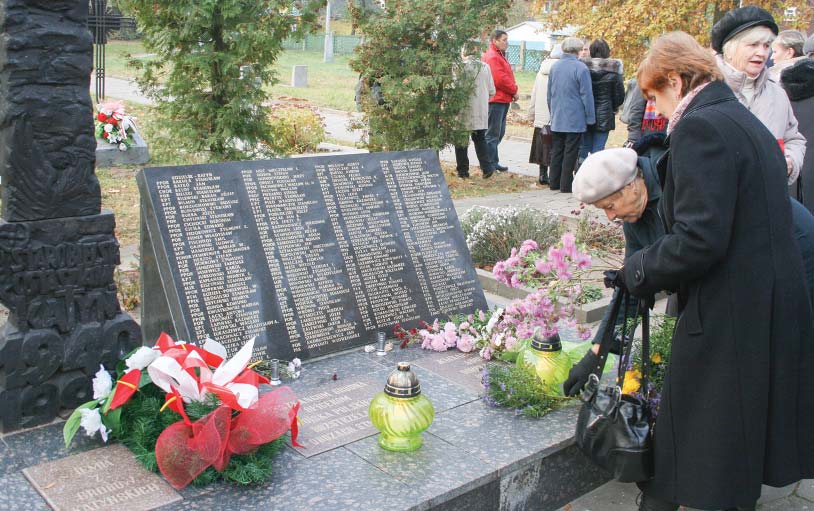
point(554, 189)
point(543, 178)
point(463, 176)
point(501, 168)
point(487, 175)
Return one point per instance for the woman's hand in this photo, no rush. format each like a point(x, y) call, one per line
point(789, 165)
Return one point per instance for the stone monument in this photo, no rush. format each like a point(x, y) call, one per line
point(58, 251)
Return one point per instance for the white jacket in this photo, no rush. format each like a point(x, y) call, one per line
point(538, 109)
point(771, 105)
point(476, 116)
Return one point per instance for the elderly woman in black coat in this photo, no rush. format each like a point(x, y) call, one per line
point(737, 404)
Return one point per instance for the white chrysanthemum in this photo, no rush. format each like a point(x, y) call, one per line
point(122, 147)
point(108, 128)
point(143, 357)
point(102, 384)
point(91, 422)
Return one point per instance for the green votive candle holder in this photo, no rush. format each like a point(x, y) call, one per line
point(546, 359)
point(401, 413)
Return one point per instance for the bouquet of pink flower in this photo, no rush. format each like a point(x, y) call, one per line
point(113, 125)
point(556, 275)
point(528, 266)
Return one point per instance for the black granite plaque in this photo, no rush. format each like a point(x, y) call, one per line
point(312, 255)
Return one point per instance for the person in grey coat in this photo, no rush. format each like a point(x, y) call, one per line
point(571, 104)
point(742, 38)
point(475, 117)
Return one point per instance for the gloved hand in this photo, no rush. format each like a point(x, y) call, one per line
point(615, 278)
point(578, 376)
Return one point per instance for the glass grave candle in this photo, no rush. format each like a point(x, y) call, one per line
point(545, 358)
point(401, 413)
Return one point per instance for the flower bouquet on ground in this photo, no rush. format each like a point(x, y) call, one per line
point(190, 413)
point(114, 126)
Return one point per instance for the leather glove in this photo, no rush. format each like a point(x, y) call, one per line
point(578, 375)
point(615, 279)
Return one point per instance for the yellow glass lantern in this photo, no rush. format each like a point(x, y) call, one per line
point(546, 358)
point(401, 413)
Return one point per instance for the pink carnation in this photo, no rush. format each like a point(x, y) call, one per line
point(466, 343)
point(438, 343)
point(450, 334)
point(486, 353)
point(481, 316)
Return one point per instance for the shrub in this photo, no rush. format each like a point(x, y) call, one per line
point(296, 127)
point(598, 235)
point(491, 233)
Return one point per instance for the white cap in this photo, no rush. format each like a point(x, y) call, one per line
point(604, 173)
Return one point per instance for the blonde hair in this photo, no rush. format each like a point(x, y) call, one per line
point(753, 35)
point(680, 53)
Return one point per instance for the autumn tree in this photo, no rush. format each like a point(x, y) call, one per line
point(410, 65)
point(629, 25)
point(213, 61)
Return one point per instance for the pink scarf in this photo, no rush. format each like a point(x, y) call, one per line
point(682, 105)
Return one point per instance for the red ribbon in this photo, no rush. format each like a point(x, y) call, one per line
point(184, 451)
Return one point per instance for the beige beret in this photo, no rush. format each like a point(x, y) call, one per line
point(604, 173)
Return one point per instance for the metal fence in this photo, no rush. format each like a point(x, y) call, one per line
point(343, 44)
point(521, 58)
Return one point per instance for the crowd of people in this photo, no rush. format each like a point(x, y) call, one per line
point(715, 188)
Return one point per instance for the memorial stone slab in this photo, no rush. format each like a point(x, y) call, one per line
point(311, 255)
point(336, 415)
point(299, 76)
point(109, 478)
point(462, 368)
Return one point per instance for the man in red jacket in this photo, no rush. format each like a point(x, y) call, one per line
point(506, 88)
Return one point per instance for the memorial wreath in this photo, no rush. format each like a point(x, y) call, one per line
point(190, 413)
point(113, 125)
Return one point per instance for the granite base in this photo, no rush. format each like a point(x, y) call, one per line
point(475, 457)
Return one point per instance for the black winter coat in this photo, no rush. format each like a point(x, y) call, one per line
point(737, 406)
point(609, 90)
point(798, 80)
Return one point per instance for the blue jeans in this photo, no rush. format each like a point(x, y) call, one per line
point(592, 142)
point(497, 128)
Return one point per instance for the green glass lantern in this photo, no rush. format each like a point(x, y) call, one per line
point(401, 413)
point(546, 358)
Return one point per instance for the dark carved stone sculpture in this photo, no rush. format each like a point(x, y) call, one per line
point(58, 252)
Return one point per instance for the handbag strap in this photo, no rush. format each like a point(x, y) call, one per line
point(624, 360)
point(607, 336)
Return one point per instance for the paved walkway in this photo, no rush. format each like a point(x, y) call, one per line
point(514, 154)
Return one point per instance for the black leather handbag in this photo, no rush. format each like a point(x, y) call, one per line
point(613, 430)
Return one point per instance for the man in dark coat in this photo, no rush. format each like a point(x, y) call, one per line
point(739, 389)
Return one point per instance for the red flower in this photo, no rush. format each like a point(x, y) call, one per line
point(113, 121)
point(125, 388)
point(101, 117)
point(404, 343)
point(413, 331)
point(105, 134)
